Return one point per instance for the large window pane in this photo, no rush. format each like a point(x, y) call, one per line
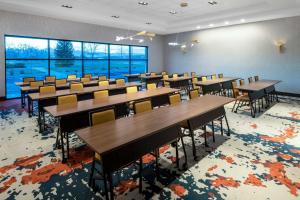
point(95, 51)
point(138, 52)
point(138, 67)
point(96, 67)
point(28, 48)
point(118, 68)
point(62, 49)
point(119, 52)
point(62, 68)
point(16, 70)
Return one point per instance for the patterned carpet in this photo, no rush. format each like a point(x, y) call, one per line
point(260, 160)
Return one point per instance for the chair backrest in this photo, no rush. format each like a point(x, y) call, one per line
point(185, 74)
point(143, 106)
point(71, 77)
point(152, 74)
point(220, 75)
point(36, 83)
point(85, 80)
point(193, 74)
point(151, 86)
point(103, 83)
point(164, 73)
point(76, 86)
point(102, 78)
point(132, 89)
point(100, 117)
point(120, 81)
point(236, 91)
point(60, 81)
point(175, 75)
point(88, 76)
point(213, 77)
point(256, 78)
point(47, 89)
point(28, 79)
point(242, 82)
point(194, 94)
point(101, 94)
point(204, 78)
point(250, 79)
point(174, 99)
point(50, 78)
point(165, 76)
point(67, 99)
point(194, 80)
point(143, 75)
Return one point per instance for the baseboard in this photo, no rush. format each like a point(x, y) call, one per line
point(288, 94)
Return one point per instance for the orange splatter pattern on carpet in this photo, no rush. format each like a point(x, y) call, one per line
point(284, 156)
point(295, 115)
point(253, 180)
point(228, 159)
point(7, 184)
point(125, 186)
point(148, 158)
point(225, 182)
point(296, 151)
point(288, 133)
point(254, 126)
point(212, 168)
point(179, 190)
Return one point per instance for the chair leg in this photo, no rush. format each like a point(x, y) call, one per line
point(237, 107)
point(222, 131)
point(193, 144)
point(185, 156)
point(227, 124)
point(57, 144)
point(92, 173)
point(205, 139)
point(177, 157)
point(213, 131)
point(234, 105)
point(140, 176)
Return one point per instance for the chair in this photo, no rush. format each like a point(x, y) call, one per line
point(103, 83)
point(220, 75)
point(59, 82)
point(151, 86)
point(67, 99)
point(152, 74)
point(142, 106)
point(76, 86)
point(256, 78)
point(213, 77)
point(28, 79)
point(204, 78)
point(186, 75)
point(194, 94)
point(166, 83)
point(250, 79)
point(193, 74)
point(36, 83)
point(88, 76)
point(175, 75)
point(132, 89)
point(239, 98)
point(194, 82)
point(50, 79)
point(47, 89)
point(101, 94)
point(120, 82)
point(143, 75)
point(102, 78)
point(85, 80)
point(164, 73)
point(72, 77)
point(174, 99)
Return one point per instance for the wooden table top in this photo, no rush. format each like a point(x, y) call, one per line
point(37, 96)
point(150, 77)
point(110, 135)
point(132, 75)
point(177, 79)
point(258, 85)
point(216, 81)
point(91, 104)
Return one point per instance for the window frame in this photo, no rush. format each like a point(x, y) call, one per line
point(82, 59)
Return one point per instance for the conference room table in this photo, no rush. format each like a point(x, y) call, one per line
point(26, 89)
point(125, 140)
point(151, 79)
point(216, 85)
point(75, 116)
point(132, 77)
point(179, 82)
point(258, 90)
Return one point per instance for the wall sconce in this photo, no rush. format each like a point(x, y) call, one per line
point(280, 44)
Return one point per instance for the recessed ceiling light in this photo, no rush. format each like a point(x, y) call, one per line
point(213, 3)
point(148, 23)
point(211, 25)
point(115, 16)
point(198, 27)
point(173, 12)
point(226, 22)
point(143, 3)
point(66, 6)
point(243, 20)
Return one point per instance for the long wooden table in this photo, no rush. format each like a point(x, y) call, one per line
point(132, 77)
point(216, 84)
point(74, 116)
point(127, 139)
point(151, 79)
point(180, 82)
point(258, 90)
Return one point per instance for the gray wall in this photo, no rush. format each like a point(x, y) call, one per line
point(30, 25)
point(242, 51)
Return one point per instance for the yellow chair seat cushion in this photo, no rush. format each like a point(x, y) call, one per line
point(97, 156)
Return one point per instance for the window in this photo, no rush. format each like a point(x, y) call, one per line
point(38, 57)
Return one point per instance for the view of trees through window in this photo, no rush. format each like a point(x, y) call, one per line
point(37, 57)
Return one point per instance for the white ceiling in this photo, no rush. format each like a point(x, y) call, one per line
point(134, 16)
